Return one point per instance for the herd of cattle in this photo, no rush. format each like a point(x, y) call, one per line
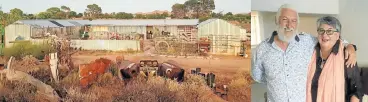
point(128, 70)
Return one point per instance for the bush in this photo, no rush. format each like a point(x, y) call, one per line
point(21, 49)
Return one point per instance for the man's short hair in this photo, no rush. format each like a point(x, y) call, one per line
point(285, 6)
point(331, 21)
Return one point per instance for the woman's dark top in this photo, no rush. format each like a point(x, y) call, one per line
point(353, 84)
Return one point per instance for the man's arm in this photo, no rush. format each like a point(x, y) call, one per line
point(257, 68)
point(350, 51)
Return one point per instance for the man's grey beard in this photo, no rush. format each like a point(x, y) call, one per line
point(282, 36)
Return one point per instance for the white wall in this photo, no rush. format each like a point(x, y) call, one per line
point(267, 23)
point(303, 6)
point(354, 19)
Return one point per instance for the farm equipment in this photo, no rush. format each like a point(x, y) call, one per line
point(171, 70)
point(129, 70)
point(149, 67)
point(219, 89)
point(175, 46)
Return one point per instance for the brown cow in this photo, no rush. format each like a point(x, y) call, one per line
point(89, 72)
point(171, 70)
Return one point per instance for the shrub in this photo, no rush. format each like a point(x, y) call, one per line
point(21, 49)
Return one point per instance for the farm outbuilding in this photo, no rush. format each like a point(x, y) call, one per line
point(146, 29)
point(225, 38)
point(38, 29)
point(103, 30)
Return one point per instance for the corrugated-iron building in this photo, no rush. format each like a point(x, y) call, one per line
point(101, 29)
point(38, 29)
point(225, 37)
point(105, 29)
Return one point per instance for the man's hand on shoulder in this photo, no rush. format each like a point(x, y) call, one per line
point(350, 54)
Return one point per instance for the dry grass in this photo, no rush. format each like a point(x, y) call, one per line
point(154, 89)
point(108, 87)
point(240, 87)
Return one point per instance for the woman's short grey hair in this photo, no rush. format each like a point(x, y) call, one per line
point(331, 21)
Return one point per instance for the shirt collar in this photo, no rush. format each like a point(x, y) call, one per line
point(274, 33)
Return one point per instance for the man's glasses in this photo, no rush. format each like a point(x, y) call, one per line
point(328, 32)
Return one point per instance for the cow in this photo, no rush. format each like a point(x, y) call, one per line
point(171, 70)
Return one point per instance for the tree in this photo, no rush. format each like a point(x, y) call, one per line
point(229, 14)
point(80, 15)
point(66, 10)
point(178, 11)
point(217, 15)
point(15, 14)
point(29, 16)
point(164, 15)
point(140, 16)
point(93, 11)
point(43, 15)
point(197, 8)
point(55, 13)
point(123, 15)
point(53, 10)
point(157, 16)
point(72, 14)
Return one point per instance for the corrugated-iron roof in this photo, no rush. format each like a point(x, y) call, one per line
point(236, 23)
point(148, 22)
point(208, 21)
point(38, 23)
point(133, 22)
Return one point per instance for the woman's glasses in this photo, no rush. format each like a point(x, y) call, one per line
point(328, 32)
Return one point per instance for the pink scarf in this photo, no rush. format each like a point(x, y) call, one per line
point(331, 81)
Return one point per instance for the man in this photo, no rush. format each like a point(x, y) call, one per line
point(281, 61)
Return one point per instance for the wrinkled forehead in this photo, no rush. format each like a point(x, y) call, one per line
point(288, 13)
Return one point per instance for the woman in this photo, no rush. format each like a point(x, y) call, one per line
point(329, 79)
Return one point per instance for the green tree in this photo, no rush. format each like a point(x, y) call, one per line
point(178, 11)
point(140, 16)
point(229, 14)
point(123, 15)
point(15, 14)
point(43, 15)
point(29, 16)
point(66, 10)
point(164, 15)
point(80, 15)
point(93, 11)
point(73, 14)
point(55, 13)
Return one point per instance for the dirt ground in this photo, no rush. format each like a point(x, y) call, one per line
point(223, 67)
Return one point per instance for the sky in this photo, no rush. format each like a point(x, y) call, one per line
point(108, 6)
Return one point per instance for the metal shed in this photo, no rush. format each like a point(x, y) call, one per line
point(225, 37)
